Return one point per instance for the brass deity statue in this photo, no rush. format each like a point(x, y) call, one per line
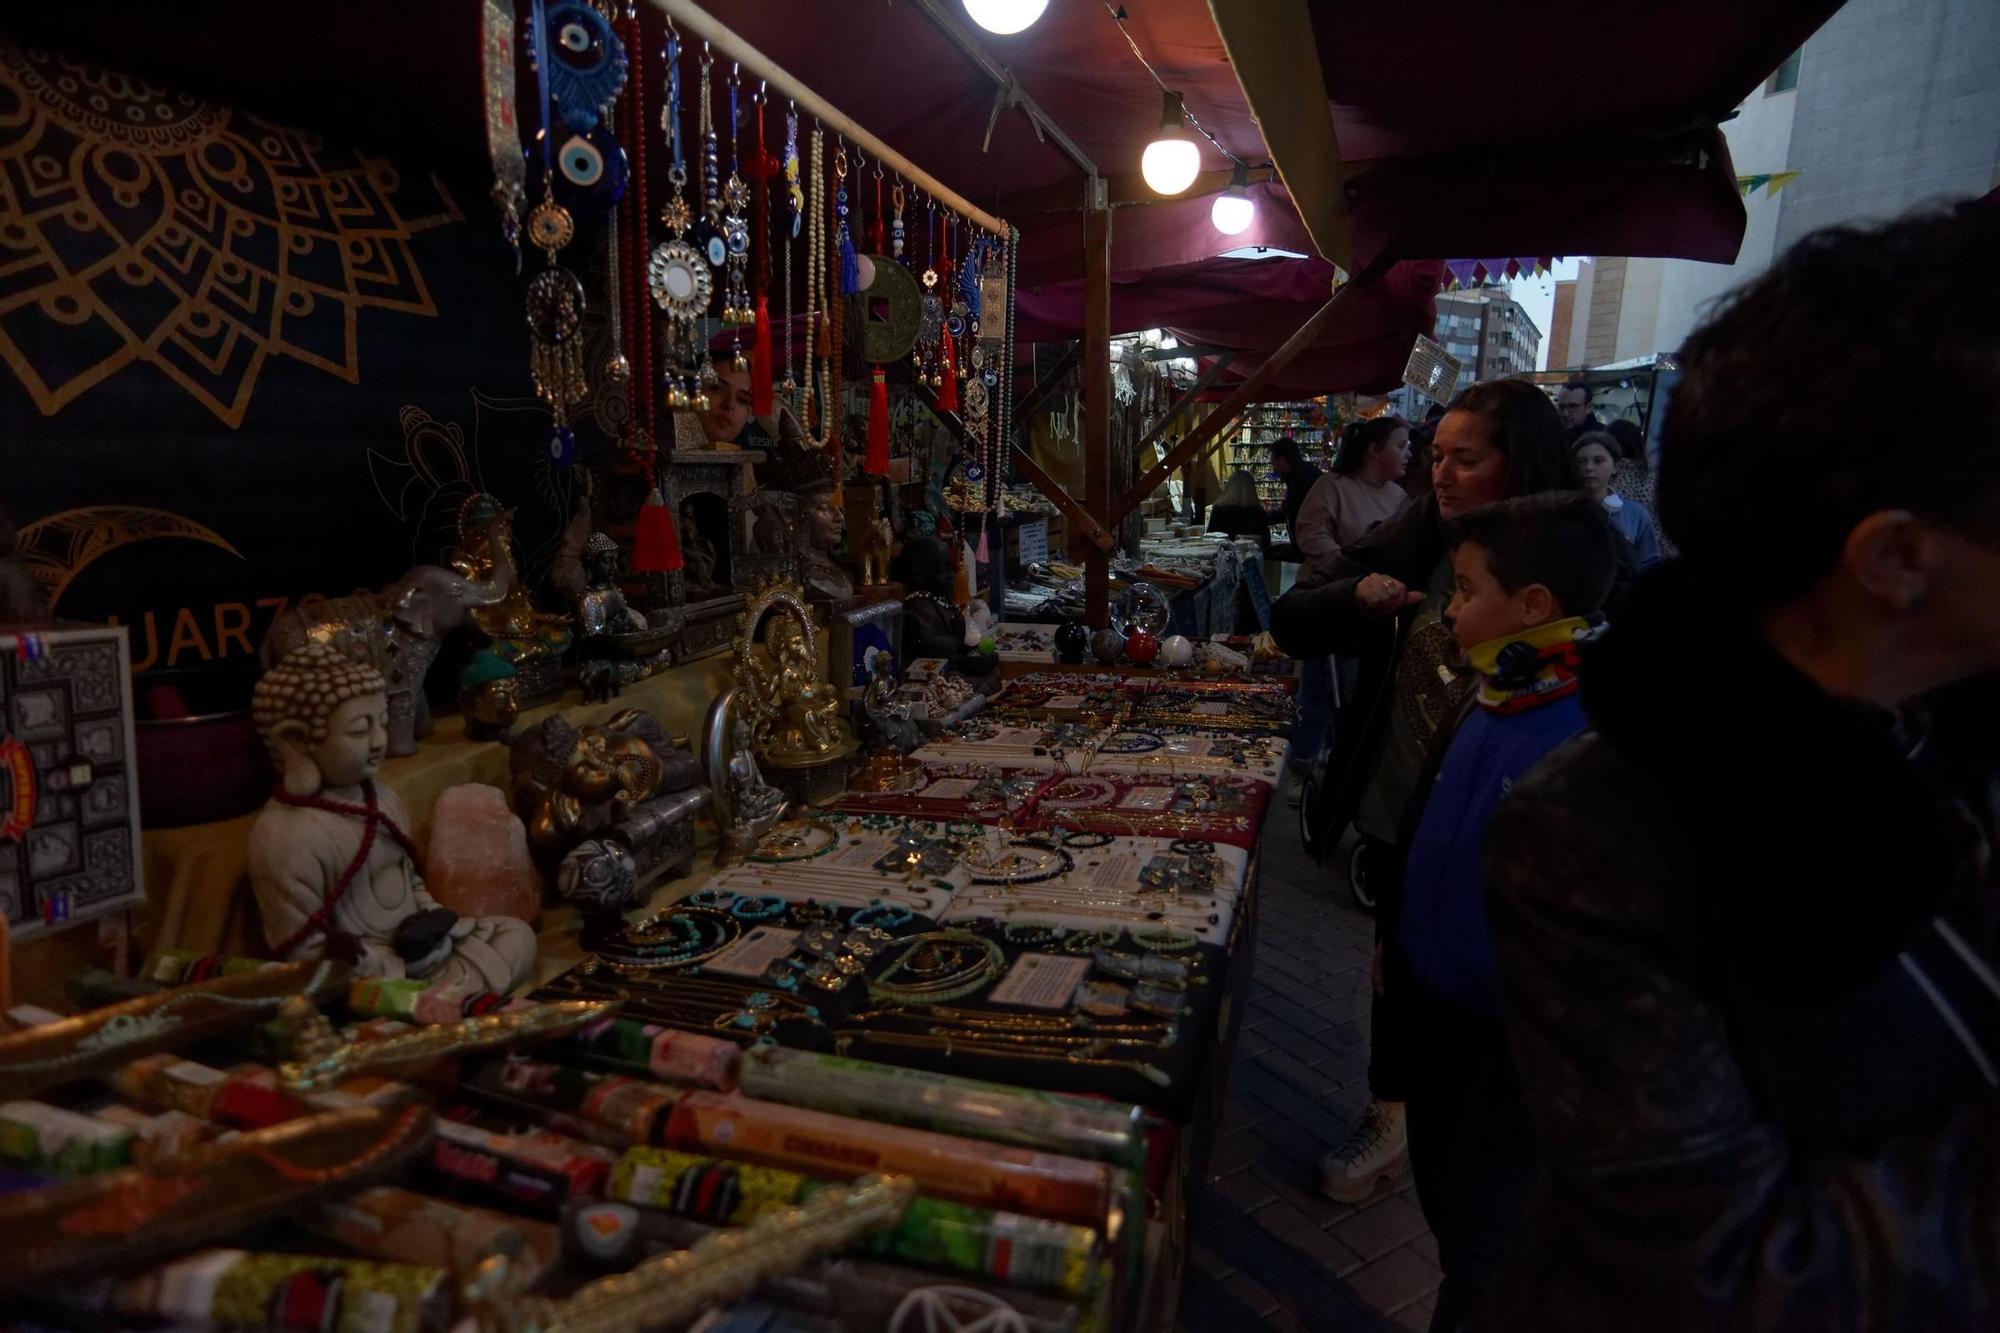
point(532, 639)
point(794, 714)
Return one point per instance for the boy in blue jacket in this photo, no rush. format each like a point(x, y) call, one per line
point(1529, 575)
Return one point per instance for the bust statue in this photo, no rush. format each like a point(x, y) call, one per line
point(822, 527)
point(489, 696)
point(330, 863)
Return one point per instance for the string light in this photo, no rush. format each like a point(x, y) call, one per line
point(1005, 17)
point(1233, 210)
point(1171, 162)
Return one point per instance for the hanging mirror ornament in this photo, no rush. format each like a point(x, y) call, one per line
point(677, 273)
point(587, 66)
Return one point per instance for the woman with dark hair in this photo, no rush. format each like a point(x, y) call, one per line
point(1748, 924)
point(1381, 600)
point(1359, 493)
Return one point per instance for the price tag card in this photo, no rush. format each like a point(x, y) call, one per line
point(753, 953)
point(1040, 981)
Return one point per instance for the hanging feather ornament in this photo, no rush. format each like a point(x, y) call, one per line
point(875, 460)
point(656, 546)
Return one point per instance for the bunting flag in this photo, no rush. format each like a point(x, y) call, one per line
point(1478, 272)
point(1769, 181)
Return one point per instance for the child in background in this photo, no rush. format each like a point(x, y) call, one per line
point(1529, 574)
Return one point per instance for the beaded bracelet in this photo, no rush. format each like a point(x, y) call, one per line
point(882, 916)
point(1032, 932)
point(1165, 939)
point(720, 899)
point(764, 907)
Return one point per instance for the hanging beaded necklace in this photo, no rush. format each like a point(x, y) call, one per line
point(817, 306)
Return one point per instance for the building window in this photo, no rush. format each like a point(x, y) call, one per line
point(1787, 76)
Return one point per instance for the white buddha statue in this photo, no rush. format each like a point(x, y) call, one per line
point(329, 856)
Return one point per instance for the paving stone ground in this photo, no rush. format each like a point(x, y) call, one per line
point(1266, 1251)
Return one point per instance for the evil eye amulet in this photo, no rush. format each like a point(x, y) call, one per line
point(989, 377)
point(974, 471)
point(590, 173)
point(562, 446)
point(718, 250)
point(586, 65)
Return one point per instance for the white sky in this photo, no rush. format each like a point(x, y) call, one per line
point(1536, 295)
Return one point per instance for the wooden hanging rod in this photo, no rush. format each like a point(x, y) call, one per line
point(698, 22)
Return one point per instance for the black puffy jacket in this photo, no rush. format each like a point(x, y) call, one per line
point(1749, 943)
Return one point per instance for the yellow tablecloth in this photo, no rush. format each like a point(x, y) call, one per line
point(197, 883)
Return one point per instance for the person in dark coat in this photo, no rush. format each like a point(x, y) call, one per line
point(1299, 476)
point(1748, 924)
point(932, 625)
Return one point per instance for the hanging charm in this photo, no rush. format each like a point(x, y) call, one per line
point(896, 227)
point(714, 243)
point(677, 273)
point(587, 69)
point(850, 266)
point(503, 134)
point(736, 231)
point(555, 300)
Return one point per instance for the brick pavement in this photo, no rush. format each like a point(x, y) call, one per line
point(1266, 1251)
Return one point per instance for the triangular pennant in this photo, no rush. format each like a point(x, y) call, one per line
point(1779, 180)
point(1461, 270)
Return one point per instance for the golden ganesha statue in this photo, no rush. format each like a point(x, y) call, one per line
point(794, 714)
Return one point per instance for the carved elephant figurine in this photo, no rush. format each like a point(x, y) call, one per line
point(422, 607)
point(398, 631)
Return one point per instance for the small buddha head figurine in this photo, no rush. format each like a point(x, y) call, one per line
point(821, 518)
point(489, 695)
point(325, 719)
point(600, 560)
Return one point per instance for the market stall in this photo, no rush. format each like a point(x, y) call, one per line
point(666, 951)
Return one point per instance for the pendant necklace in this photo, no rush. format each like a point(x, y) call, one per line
point(713, 243)
point(930, 328)
point(555, 299)
point(736, 232)
point(795, 202)
point(676, 272)
point(817, 306)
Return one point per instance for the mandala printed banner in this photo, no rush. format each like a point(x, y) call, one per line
point(240, 363)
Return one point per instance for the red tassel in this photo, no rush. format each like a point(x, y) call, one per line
point(875, 462)
point(760, 361)
point(984, 554)
point(656, 548)
point(947, 394)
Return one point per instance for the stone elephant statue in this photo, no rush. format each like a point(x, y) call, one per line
point(398, 631)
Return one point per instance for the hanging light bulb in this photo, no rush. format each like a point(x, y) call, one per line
point(1005, 17)
point(1233, 210)
point(1171, 162)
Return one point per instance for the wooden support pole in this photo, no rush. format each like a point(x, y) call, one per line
point(1097, 403)
point(1081, 520)
point(1225, 412)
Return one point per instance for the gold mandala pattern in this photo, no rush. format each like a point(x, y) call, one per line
point(139, 226)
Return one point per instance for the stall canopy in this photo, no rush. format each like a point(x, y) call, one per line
point(1461, 129)
point(1250, 306)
